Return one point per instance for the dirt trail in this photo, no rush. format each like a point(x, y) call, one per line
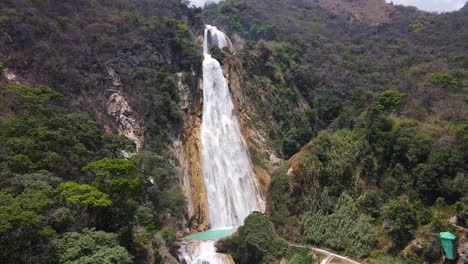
point(330, 258)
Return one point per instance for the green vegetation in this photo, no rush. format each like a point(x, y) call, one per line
point(402, 220)
point(84, 194)
point(380, 107)
point(82, 181)
point(396, 176)
point(257, 242)
point(24, 203)
point(344, 229)
point(91, 247)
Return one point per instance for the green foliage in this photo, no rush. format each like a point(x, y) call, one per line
point(390, 99)
point(412, 145)
point(320, 72)
point(161, 98)
point(90, 247)
point(254, 242)
point(401, 220)
point(23, 227)
point(439, 204)
point(114, 168)
point(294, 139)
point(445, 80)
point(33, 101)
point(84, 195)
point(396, 158)
point(182, 43)
point(344, 229)
point(326, 167)
point(432, 251)
point(278, 198)
point(261, 30)
point(462, 211)
point(164, 192)
point(168, 234)
point(144, 217)
point(380, 129)
point(40, 137)
point(174, 199)
point(61, 219)
point(332, 162)
point(371, 202)
point(301, 256)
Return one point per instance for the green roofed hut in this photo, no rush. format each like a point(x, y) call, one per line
point(447, 240)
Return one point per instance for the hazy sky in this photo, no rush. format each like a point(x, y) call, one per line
point(433, 5)
point(427, 5)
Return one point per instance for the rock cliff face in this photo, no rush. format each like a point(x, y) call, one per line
point(187, 150)
point(10, 76)
point(125, 118)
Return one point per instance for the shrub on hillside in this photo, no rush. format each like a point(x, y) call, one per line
point(255, 242)
point(344, 229)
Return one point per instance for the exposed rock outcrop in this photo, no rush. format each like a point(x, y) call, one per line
point(113, 76)
point(10, 76)
point(125, 118)
point(188, 151)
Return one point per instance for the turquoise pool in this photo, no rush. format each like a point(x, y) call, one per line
point(212, 234)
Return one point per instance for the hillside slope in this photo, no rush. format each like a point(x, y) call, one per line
point(358, 110)
point(111, 67)
point(385, 106)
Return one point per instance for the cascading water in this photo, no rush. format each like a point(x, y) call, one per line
point(231, 186)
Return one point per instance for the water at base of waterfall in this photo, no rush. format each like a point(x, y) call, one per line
point(212, 234)
point(200, 248)
point(202, 252)
point(231, 187)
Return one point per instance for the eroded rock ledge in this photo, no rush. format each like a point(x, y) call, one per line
point(125, 118)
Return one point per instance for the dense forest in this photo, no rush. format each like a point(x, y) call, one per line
point(367, 113)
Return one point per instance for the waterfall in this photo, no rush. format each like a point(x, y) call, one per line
point(231, 186)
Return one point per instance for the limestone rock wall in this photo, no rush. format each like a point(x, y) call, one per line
point(188, 149)
point(125, 118)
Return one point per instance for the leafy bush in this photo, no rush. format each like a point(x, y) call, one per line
point(23, 227)
point(344, 229)
point(91, 247)
point(443, 79)
point(111, 168)
point(254, 242)
point(84, 195)
point(168, 234)
point(432, 251)
point(401, 220)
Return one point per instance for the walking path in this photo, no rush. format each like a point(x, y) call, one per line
point(453, 221)
point(330, 257)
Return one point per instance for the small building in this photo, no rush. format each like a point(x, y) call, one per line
point(448, 240)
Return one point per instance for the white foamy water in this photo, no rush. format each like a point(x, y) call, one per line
point(203, 252)
point(231, 186)
point(229, 178)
